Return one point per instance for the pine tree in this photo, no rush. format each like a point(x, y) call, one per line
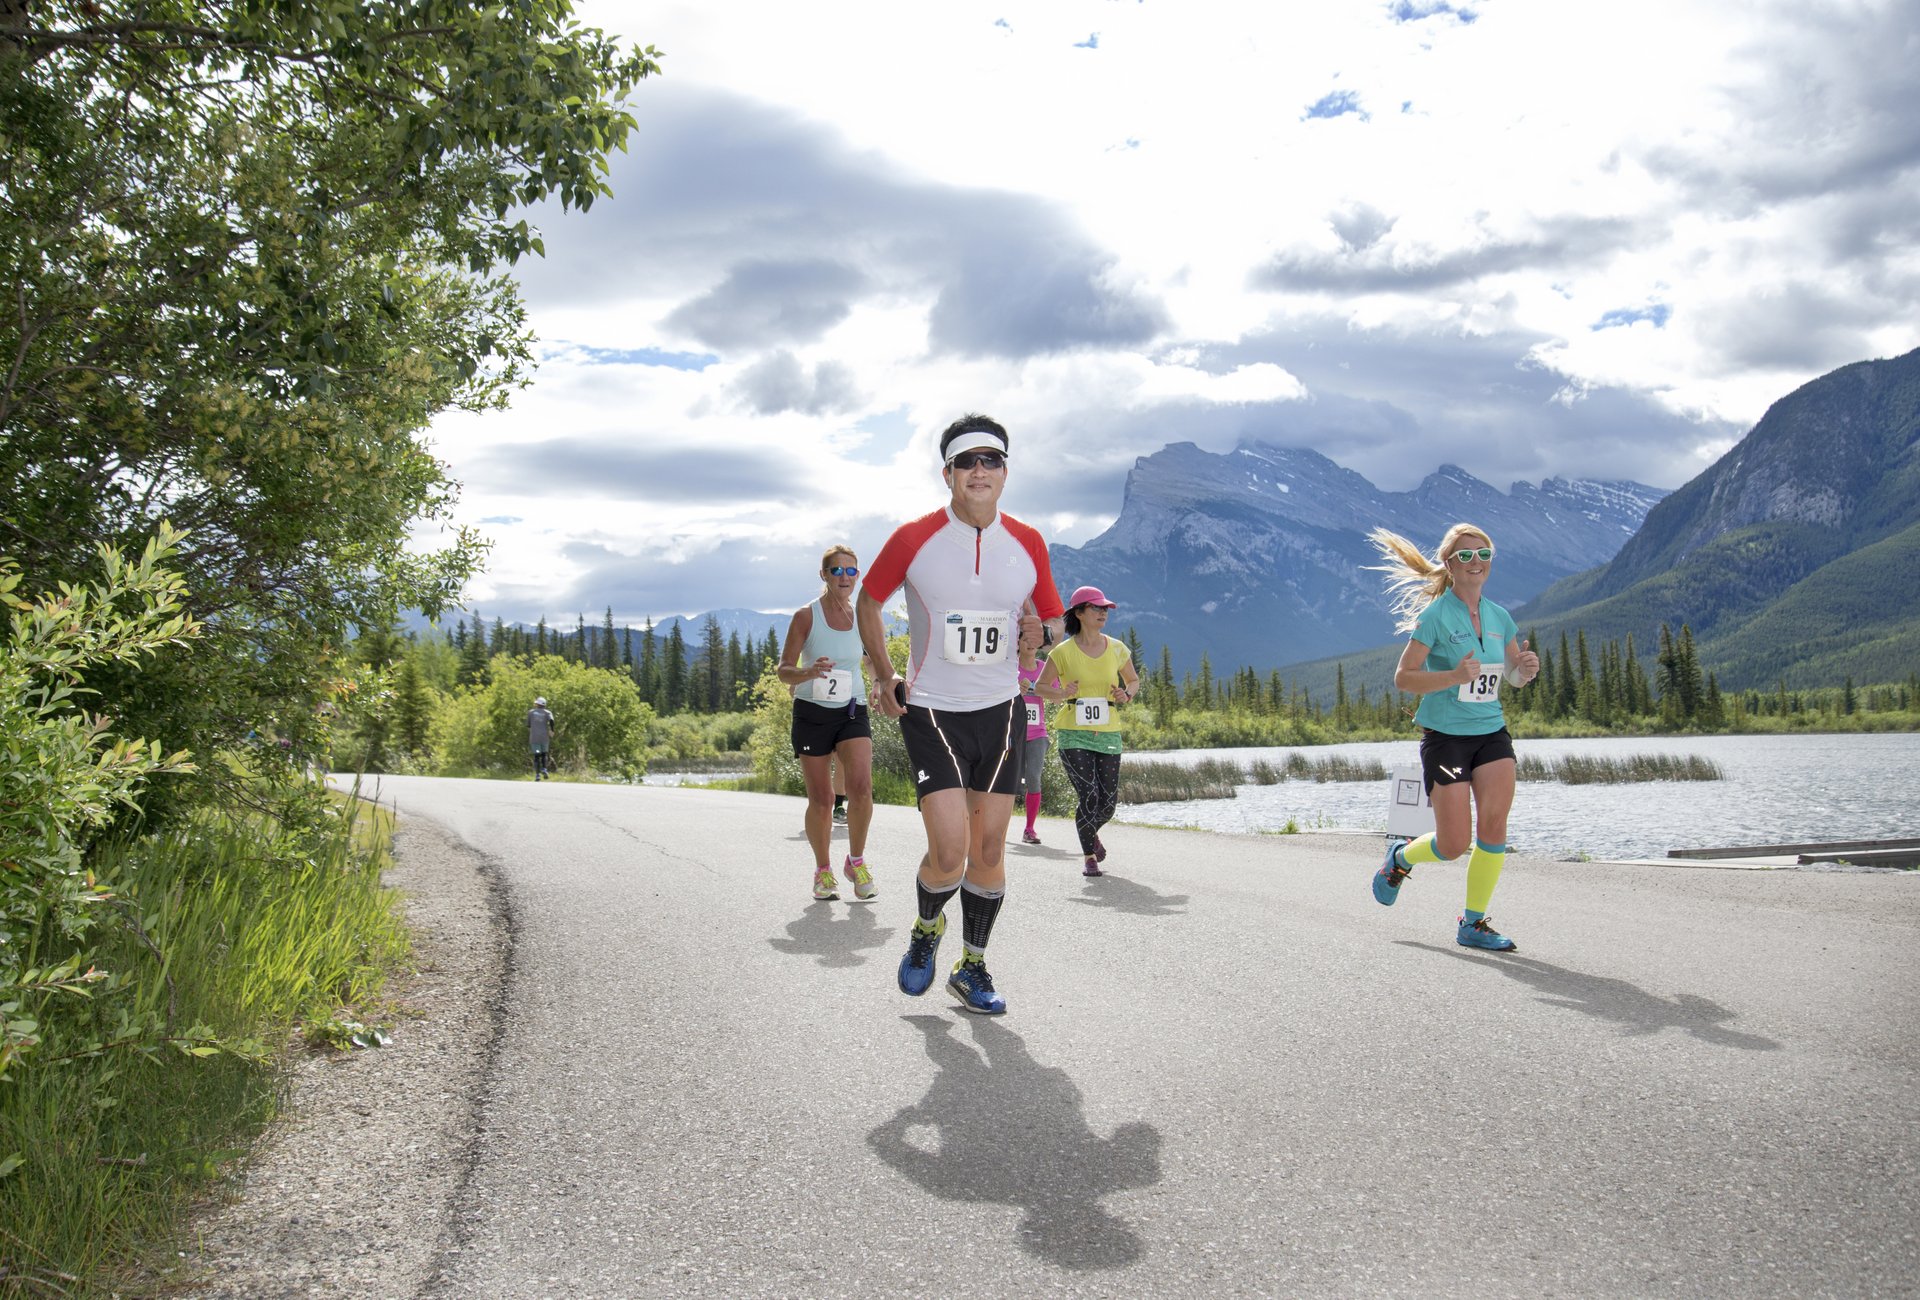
point(473, 654)
point(412, 708)
point(712, 665)
point(609, 656)
point(540, 637)
point(647, 676)
point(673, 672)
point(1688, 664)
point(1586, 692)
point(1206, 682)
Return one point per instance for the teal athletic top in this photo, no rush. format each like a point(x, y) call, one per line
point(844, 686)
point(1446, 629)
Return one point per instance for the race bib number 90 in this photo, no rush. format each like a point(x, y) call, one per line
point(1092, 711)
point(974, 636)
point(1484, 688)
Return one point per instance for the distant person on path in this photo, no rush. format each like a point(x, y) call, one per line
point(821, 662)
point(1093, 674)
point(1033, 750)
point(540, 729)
point(968, 571)
point(1462, 650)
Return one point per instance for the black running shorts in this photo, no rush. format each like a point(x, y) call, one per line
point(818, 729)
point(964, 750)
point(1446, 758)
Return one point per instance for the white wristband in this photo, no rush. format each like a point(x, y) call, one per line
point(1513, 675)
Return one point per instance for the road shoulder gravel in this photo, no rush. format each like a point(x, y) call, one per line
point(350, 1193)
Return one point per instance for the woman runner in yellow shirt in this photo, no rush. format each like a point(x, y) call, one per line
point(1091, 672)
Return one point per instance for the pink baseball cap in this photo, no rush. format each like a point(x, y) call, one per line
point(1089, 596)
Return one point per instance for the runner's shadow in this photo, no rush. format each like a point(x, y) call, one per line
point(820, 931)
point(1128, 896)
point(1633, 1008)
point(998, 1128)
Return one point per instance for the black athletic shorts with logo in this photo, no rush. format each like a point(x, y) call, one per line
point(1446, 758)
point(818, 729)
point(964, 750)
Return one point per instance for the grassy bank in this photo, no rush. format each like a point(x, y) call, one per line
point(229, 945)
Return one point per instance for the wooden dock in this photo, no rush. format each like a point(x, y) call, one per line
point(1862, 853)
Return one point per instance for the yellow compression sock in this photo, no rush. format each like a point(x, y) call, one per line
point(1414, 852)
point(1483, 873)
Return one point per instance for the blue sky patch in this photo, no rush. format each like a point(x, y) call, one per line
point(1412, 11)
point(1337, 103)
point(648, 357)
point(1657, 313)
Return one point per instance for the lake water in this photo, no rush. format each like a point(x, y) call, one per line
point(1778, 789)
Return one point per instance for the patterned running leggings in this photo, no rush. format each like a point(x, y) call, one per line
point(1096, 779)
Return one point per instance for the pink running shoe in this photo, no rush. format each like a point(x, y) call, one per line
point(1028, 837)
point(855, 869)
point(1099, 850)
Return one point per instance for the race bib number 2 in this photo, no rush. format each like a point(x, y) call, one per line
point(1484, 688)
point(974, 636)
point(836, 687)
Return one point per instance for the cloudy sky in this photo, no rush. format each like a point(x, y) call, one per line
point(1526, 237)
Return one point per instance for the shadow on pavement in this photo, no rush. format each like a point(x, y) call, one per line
point(998, 1128)
point(1122, 895)
point(1606, 998)
point(837, 940)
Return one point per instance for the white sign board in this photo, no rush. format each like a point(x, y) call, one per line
point(1409, 810)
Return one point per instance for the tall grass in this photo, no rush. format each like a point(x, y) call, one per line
point(216, 926)
point(1586, 769)
point(1155, 781)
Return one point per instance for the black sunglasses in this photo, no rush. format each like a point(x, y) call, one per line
point(969, 459)
point(844, 570)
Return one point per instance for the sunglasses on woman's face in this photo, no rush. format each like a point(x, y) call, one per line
point(1468, 557)
point(843, 570)
point(968, 459)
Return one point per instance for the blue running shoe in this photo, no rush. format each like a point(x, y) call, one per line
point(1386, 881)
point(974, 987)
point(916, 968)
point(1481, 934)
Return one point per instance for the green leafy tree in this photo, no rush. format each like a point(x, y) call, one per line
point(250, 249)
point(600, 721)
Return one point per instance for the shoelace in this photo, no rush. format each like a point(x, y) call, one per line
point(920, 947)
point(1485, 926)
point(976, 972)
point(1397, 874)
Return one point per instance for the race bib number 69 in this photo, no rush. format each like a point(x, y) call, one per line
point(974, 636)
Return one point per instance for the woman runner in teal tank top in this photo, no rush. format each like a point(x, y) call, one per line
point(1463, 648)
point(822, 662)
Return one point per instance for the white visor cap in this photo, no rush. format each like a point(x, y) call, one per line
point(976, 442)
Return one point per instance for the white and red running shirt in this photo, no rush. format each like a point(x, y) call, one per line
point(966, 589)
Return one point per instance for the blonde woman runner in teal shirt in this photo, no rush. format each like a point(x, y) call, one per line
point(1462, 649)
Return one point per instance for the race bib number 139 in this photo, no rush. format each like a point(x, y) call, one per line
point(974, 636)
point(1484, 688)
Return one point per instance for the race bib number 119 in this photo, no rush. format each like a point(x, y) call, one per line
point(974, 636)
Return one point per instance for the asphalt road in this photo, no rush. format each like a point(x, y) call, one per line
point(1225, 1071)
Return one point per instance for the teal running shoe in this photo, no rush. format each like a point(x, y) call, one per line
point(1386, 881)
point(916, 968)
point(1481, 934)
point(971, 984)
